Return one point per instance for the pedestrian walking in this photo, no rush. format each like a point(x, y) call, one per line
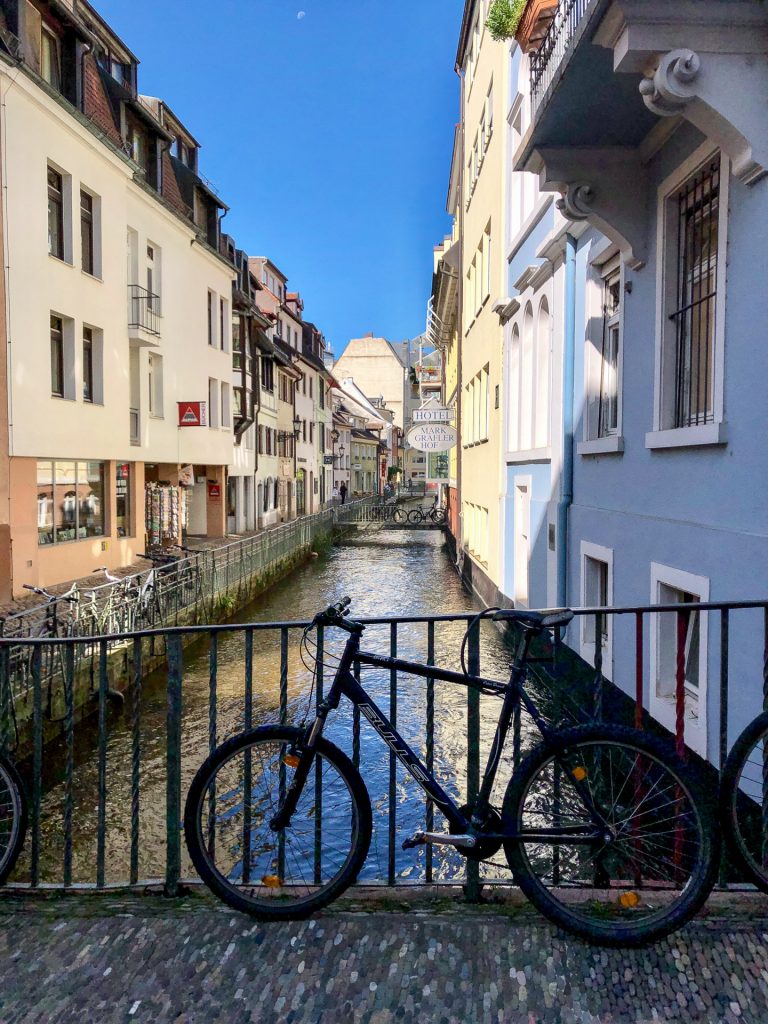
point(343, 492)
point(335, 494)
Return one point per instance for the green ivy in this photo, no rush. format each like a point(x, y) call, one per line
point(504, 17)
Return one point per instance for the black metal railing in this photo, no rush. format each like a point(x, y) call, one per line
point(545, 61)
point(143, 310)
point(107, 809)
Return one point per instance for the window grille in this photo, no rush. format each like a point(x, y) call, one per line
point(694, 318)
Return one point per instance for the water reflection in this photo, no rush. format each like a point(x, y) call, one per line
point(385, 573)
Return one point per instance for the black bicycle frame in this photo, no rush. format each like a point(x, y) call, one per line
point(346, 685)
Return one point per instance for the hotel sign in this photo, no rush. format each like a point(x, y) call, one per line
point(433, 414)
point(432, 437)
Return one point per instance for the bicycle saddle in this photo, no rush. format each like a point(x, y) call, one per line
point(548, 618)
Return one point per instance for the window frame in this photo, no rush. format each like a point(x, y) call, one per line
point(603, 555)
point(57, 198)
point(662, 705)
point(88, 231)
point(88, 362)
point(665, 434)
point(47, 33)
point(57, 357)
point(604, 266)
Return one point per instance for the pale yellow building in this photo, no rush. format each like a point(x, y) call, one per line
point(483, 67)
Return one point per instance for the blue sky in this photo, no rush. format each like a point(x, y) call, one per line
point(329, 135)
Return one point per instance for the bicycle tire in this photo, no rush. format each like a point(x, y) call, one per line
point(399, 515)
point(439, 516)
point(415, 517)
point(742, 817)
point(661, 880)
point(264, 902)
point(13, 801)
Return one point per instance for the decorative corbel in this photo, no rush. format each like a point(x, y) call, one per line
point(671, 87)
point(607, 188)
point(702, 91)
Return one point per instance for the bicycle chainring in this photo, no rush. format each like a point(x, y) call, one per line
point(486, 847)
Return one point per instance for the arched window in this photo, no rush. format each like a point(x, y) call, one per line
point(526, 381)
point(543, 385)
point(267, 492)
point(513, 399)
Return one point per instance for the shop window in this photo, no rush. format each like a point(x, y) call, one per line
point(70, 501)
point(123, 498)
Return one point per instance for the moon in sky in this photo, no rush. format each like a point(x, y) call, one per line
point(301, 15)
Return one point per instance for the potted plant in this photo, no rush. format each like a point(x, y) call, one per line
point(526, 20)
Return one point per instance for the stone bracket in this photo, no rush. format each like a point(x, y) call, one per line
point(706, 62)
point(605, 186)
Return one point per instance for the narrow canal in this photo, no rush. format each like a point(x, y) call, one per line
point(386, 573)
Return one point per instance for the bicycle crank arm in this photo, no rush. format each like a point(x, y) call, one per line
point(439, 839)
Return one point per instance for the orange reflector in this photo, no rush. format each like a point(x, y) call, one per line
point(291, 760)
point(579, 774)
point(271, 881)
point(629, 899)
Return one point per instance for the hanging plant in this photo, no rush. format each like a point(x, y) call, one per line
point(504, 18)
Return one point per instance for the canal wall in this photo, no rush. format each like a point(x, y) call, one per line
point(230, 579)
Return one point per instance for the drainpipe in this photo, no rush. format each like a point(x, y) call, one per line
point(566, 494)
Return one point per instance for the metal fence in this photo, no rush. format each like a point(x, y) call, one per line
point(109, 812)
point(200, 583)
point(545, 61)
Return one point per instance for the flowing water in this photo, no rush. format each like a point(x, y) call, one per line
point(386, 573)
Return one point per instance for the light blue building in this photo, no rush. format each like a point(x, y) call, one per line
point(636, 296)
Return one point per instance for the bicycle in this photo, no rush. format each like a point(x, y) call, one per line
point(433, 513)
point(603, 827)
point(52, 625)
point(744, 801)
point(13, 816)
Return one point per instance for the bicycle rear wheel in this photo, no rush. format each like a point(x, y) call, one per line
point(13, 817)
point(649, 863)
point(399, 515)
point(415, 516)
point(744, 801)
point(286, 874)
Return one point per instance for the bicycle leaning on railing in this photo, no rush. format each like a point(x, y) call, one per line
point(13, 817)
point(604, 827)
point(744, 801)
point(428, 513)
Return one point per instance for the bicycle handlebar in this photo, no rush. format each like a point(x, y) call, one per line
point(334, 612)
point(46, 594)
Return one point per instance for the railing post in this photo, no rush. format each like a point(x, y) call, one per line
point(101, 825)
point(173, 768)
point(473, 887)
point(392, 837)
point(639, 670)
point(682, 632)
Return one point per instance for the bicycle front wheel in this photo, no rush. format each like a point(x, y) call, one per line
point(13, 817)
point(415, 516)
point(621, 847)
point(744, 801)
point(399, 515)
point(277, 874)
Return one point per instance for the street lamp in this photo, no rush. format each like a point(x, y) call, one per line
point(284, 434)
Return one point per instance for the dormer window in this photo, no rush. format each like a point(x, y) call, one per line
point(119, 72)
point(50, 59)
point(137, 146)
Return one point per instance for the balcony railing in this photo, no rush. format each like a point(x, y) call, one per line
point(143, 310)
point(547, 59)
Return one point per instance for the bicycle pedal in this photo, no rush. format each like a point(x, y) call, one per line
point(418, 839)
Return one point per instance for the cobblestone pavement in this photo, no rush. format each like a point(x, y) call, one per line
point(191, 962)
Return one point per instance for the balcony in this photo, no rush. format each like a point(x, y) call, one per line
point(143, 316)
point(546, 60)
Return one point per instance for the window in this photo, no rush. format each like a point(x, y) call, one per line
point(87, 364)
point(155, 385)
point(57, 356)
point(486, 251)
point(543, 382)
point(311, 433)
point(50, 59)
point(688, 628)
point(70, 501)
point(123, 498)
point(597, 592)
point(693, 223)
point(213, 402)
point(267, 375)
point(694, 317)
point(153, 277)
point(608, 394)
point(211, 319)
point(226, 415)
point(55, 214)
point(237, 344)
point(223, 317)
point(86, 231)
point(311, 387)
